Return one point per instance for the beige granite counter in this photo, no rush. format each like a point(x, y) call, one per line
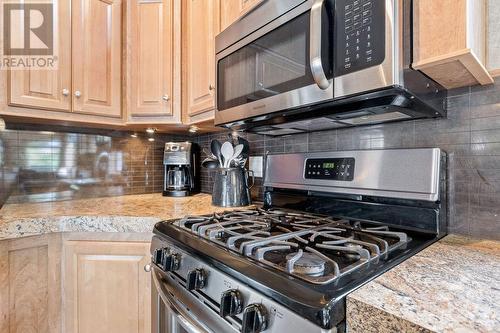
point(130, 213)
point(451, 286)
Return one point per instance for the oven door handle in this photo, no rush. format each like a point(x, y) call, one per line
point(183, 318)
point(316, 63)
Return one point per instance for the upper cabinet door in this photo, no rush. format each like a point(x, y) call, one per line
point(97, 26)
point(230, 11)
point(201, 24)
point(48, 89)
point(449, 41)
point(154, 82)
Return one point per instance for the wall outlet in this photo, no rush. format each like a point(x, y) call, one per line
point(256, 164)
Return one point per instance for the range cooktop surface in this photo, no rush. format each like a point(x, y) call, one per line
point(317, 249)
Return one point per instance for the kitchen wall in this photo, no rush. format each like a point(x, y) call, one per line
point(470, 135)
point(41, 165)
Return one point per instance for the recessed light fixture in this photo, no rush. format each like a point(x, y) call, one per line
point(151, 130)
point(151, 139)
point(193, 129)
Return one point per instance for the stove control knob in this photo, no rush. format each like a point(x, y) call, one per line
point(254, 319)
point(170, 262)
point(158, 256)
point(196, 279)
point(231, 303)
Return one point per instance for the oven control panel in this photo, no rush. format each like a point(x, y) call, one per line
point(360, 35)
point(330, 168)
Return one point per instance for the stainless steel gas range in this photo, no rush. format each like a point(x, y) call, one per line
point(329, 223)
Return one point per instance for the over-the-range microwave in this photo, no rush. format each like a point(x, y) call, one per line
point(291, 66)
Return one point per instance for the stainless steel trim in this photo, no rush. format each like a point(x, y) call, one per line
point(178, 307)
point(307, 95)
point(396, 173)
point(390, 71)
point(253, 20)
point(300, 97)
point(186, 325)
point(317, 70)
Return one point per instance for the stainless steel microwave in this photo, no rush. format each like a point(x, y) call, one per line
point(291, 66)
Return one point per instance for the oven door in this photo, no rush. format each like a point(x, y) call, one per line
point(287, 63)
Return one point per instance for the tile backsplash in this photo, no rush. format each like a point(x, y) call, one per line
point(470, 135)
point(38, 165)
point(46, 166)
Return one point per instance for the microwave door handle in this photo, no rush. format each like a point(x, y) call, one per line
point(317, 70)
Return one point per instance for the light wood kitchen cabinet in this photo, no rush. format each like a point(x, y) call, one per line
point(47, 89)
point(200, 26)
point(97, 53)
point(450, 41)
point(75, 282)
point(30, 285)
point(493, 43)
point(87, 82)
point(230, 11)
point(154, 61)
point(106, 288)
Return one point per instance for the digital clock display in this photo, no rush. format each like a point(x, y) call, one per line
point(328, 165)
point(339, 169)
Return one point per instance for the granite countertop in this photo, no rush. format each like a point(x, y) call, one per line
point(129, 213)
point(451, 286)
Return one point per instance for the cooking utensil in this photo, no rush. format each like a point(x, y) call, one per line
point(236, 153)
point(215, 146)
point(246, 147)
point(238, 162)
point(209, 163)
point(209, 154)
point(227, 152)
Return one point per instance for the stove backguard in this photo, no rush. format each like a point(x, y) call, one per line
point(404, 188)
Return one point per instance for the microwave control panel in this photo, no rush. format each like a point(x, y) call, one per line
point(330, 168)
point(360, 35)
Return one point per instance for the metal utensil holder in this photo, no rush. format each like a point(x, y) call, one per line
point(231, 187)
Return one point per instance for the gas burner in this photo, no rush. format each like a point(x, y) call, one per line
point(356, 248)
point(305, 263)
point(314, 248)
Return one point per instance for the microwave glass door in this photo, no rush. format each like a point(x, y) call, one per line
point(275, 63)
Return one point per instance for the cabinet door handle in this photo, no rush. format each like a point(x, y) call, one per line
point(78, 94)
point(65, 92)
point(147, 268)
point(211, 87)
point(165, 97)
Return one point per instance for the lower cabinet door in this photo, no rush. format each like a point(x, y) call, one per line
point(106, 288)
point(30, 285)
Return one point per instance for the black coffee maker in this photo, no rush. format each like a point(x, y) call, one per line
point(181, 169)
